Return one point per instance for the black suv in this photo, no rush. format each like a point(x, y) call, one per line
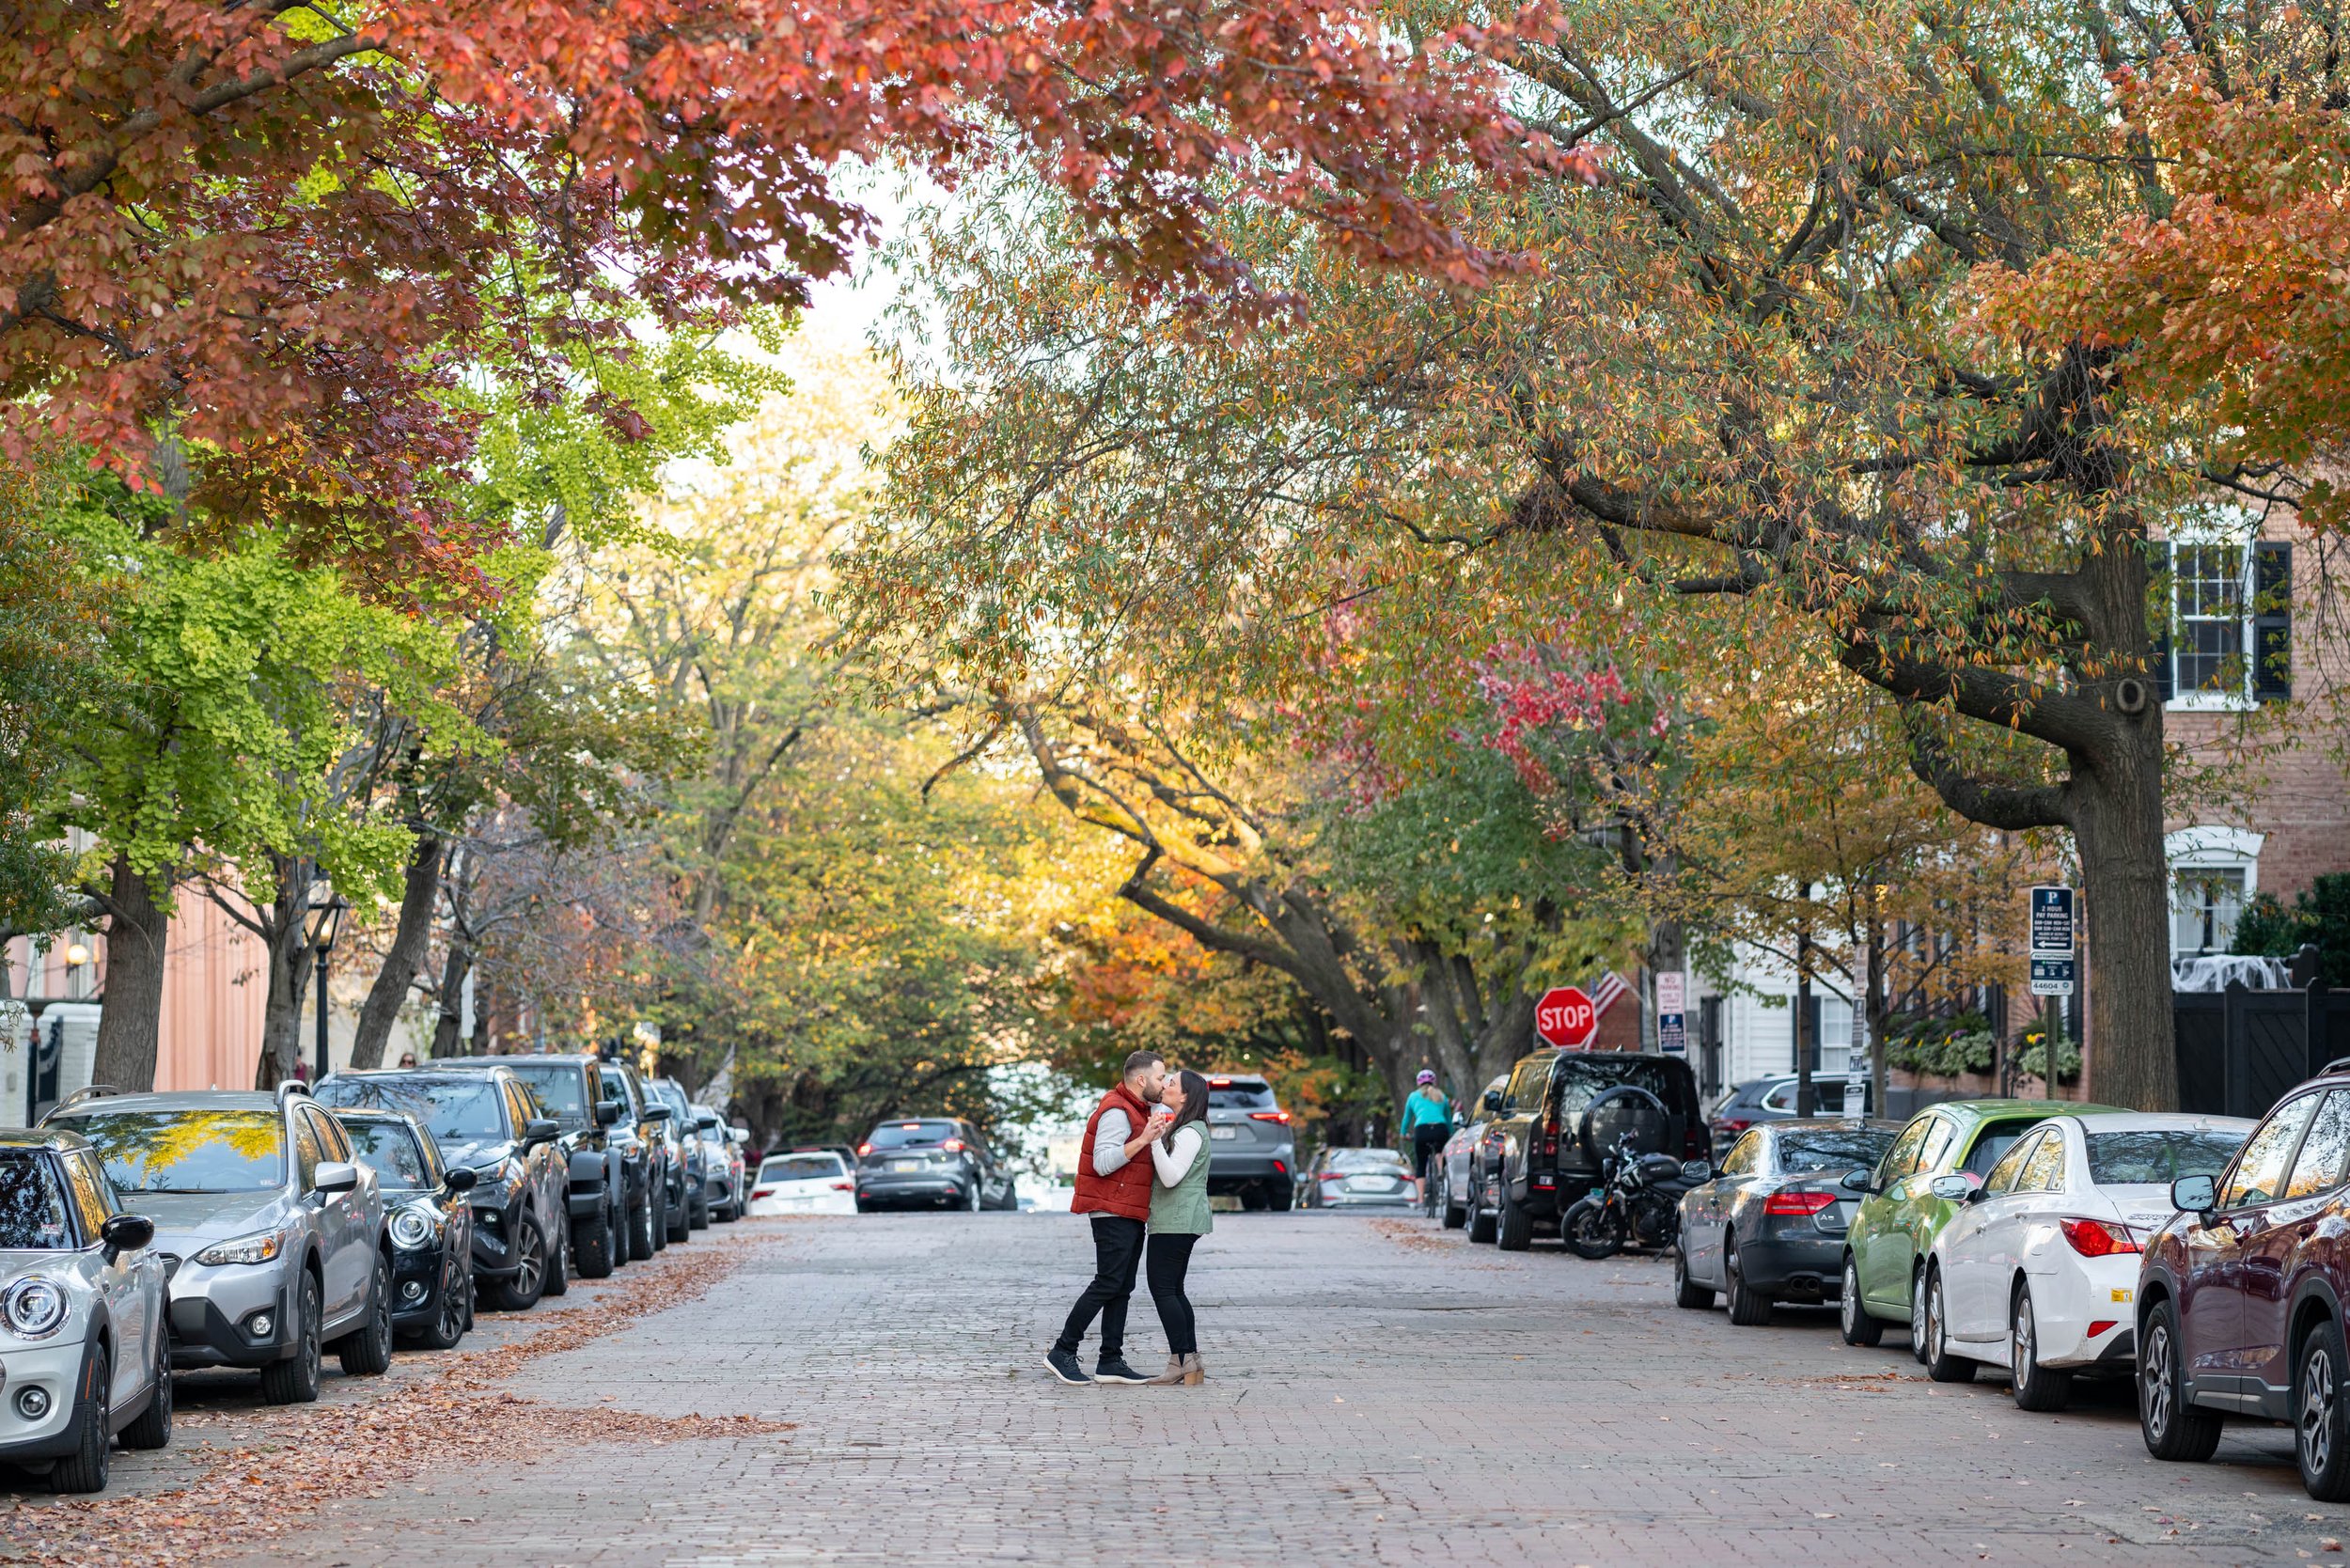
point(490, 1124)
point(936, 1161)
point(606, 1171)
point(1560, 1113)
point(643, 1133)
point(1252, 1149)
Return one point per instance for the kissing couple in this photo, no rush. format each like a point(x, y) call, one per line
point(1142, 1174)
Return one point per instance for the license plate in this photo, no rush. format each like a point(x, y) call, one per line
point(905, 1165)
point(1223, 1133)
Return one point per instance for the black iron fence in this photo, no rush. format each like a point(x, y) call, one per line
point(2239, 1050)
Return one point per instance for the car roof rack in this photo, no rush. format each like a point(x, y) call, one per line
point(2340, 1064)
point(91, 1092)
point(294, 1086)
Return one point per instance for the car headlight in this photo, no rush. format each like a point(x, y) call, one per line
point(260, 1247)
point(411, 1230)
point(34, 1309)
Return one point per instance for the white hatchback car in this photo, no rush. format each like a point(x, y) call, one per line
point(816, 1181)
point(2037, 1271)
point(84, 1346)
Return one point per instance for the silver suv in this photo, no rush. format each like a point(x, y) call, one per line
point(272, 1236)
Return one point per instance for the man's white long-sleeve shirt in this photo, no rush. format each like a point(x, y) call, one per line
point(1110, 1136)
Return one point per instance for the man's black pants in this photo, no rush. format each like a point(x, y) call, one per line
point(1117, 1255)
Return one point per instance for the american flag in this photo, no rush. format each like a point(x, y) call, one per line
point(1611, 985)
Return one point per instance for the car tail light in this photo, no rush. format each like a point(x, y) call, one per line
point(2101, 1325)
point(863, 1150)
point(952, 1146)
point(1281, 1117)
point(763, 1192)
point(1280, 1168)
point(1219, 1083)
point(1732, 1125)
point(1694, 1145)
point(844, 1186)
point(1798, 1202)
point(2097, 1238)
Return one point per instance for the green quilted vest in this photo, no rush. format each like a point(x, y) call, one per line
point(1182, 1210)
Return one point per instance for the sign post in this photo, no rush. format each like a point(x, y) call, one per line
point(1672, 1003)
point(1857, 1063)
point(1565, 1018)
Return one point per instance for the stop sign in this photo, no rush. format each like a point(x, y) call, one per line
point(1565, 1018)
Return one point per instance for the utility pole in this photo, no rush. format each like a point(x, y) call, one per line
point(1805, 1043)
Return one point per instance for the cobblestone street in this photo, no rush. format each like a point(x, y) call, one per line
point(1381, 1392)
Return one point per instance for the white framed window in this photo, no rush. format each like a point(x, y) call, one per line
point(2213, 871)
point(2229, 642)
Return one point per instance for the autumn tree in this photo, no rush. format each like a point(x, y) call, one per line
point(1746, 365)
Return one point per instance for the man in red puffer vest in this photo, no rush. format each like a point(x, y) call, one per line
point(1114, 1188)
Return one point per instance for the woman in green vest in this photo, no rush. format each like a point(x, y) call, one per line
point(1179, 1217)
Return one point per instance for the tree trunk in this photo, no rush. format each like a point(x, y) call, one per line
point(281, 1017)
point(131, 1021)
point(417, 902)
point(451, 1020)
point(2126, 895)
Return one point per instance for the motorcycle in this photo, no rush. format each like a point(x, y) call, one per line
point(1638, 1204)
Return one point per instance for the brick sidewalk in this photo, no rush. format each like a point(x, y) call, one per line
point(1382, 1393)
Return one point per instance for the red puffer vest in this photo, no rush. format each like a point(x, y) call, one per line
point(1126, 1191)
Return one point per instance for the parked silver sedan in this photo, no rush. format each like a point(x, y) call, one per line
point(272, 1238)
point(1357, 1179)
point(85, 1347)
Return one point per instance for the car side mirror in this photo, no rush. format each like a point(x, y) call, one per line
point(608, 1112)
point(540, 1129)
point(656, 1113)
point(1697, 1170)
point(461, 1180)
point(2195, 1195)
point(705, 1123)
point(1950, 1189)
point(335, 1176)
point(1862, 1180)
point(125, 1233)
point(1492, 1103)
point(738, 1134)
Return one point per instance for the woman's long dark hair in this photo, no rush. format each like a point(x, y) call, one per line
point(1195, 1090)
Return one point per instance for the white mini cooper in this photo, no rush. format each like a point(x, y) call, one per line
point(85, 1342)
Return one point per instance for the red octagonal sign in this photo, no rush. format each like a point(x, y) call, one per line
point(1565, 1018)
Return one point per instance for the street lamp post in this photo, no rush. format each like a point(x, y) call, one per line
point(326, 916)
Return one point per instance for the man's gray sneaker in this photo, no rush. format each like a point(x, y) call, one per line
point(1116, 1370)
point(1065, 1366)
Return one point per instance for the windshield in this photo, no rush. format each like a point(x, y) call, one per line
point(2120, 1159)
point(186, 1151)
point(673, 1097)
point(391, 1149)
point(32, 1204)
point(1838, 1150)
point(802, 1167)
point(909, 1135)
point(560, 1092)
point(454, 1110)
point(1239, 1094)
point(1365, 1159)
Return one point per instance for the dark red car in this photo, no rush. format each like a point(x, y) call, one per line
point(2240, 1298)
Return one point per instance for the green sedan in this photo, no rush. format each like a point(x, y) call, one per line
point(1900, 1217)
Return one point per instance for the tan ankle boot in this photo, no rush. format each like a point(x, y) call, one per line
point(1194, 1374)
point(1168, 1378)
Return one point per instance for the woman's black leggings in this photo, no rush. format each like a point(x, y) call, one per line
point(1165, 1261)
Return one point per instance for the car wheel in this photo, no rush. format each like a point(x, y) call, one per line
point(559, 1264)
point(2173, 1428)
point(697, 1213)
point(592, 1243)
point(643, 1238)
point(1943, 1364)
point(1280, 1197)
point(1686, 1292)
point(680, 1228)
point(152, 1429)
point(2035, 1386)
point(1852, 1316)
point(366, 1350)
point(295, 1380)
point(448, 1324)
point(1517, 1224)
point(521, 1293)
point(1481, 1220)
point(1917, 1314)
point(2320, 1417)
point(86, 1468)
point(1252, 1200)
point(1749, 1307)
point(1455, 1215)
